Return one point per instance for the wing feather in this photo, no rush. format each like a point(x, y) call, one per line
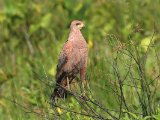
point(63, 59)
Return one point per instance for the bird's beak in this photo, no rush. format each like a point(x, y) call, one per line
point(81, 26)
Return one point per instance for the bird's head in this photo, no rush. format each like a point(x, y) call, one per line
point(77, 24)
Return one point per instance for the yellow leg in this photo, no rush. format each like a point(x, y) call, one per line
point(83, 87)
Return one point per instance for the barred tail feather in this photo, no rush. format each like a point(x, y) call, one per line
point(59, 92)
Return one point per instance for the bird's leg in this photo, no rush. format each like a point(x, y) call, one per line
point(68, 87)
point(82, 77)
point(83, 87)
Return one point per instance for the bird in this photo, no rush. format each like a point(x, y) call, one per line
point(72, 61)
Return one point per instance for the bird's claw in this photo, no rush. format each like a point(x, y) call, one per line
point(83, 96)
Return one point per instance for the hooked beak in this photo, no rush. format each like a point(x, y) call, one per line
point(81, 26)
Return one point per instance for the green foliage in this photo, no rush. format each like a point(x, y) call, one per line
point(32, 34)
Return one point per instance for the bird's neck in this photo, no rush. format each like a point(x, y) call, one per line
point(74, 34)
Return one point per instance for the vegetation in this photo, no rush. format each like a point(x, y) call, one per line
point(123, 68)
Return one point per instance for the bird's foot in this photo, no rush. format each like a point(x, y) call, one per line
point(83, 95)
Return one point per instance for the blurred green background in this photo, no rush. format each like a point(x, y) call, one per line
point(32, 33)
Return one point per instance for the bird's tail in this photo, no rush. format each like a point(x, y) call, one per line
point(58, 92)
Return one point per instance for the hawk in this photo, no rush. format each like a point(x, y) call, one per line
point(72, 61)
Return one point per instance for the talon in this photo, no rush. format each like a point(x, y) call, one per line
point(82, 96)
point(83, 93)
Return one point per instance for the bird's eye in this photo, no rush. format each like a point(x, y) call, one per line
point(78, 24)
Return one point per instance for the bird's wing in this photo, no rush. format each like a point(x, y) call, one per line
point(63, 61)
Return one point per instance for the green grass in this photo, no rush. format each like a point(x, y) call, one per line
point(32, 34)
